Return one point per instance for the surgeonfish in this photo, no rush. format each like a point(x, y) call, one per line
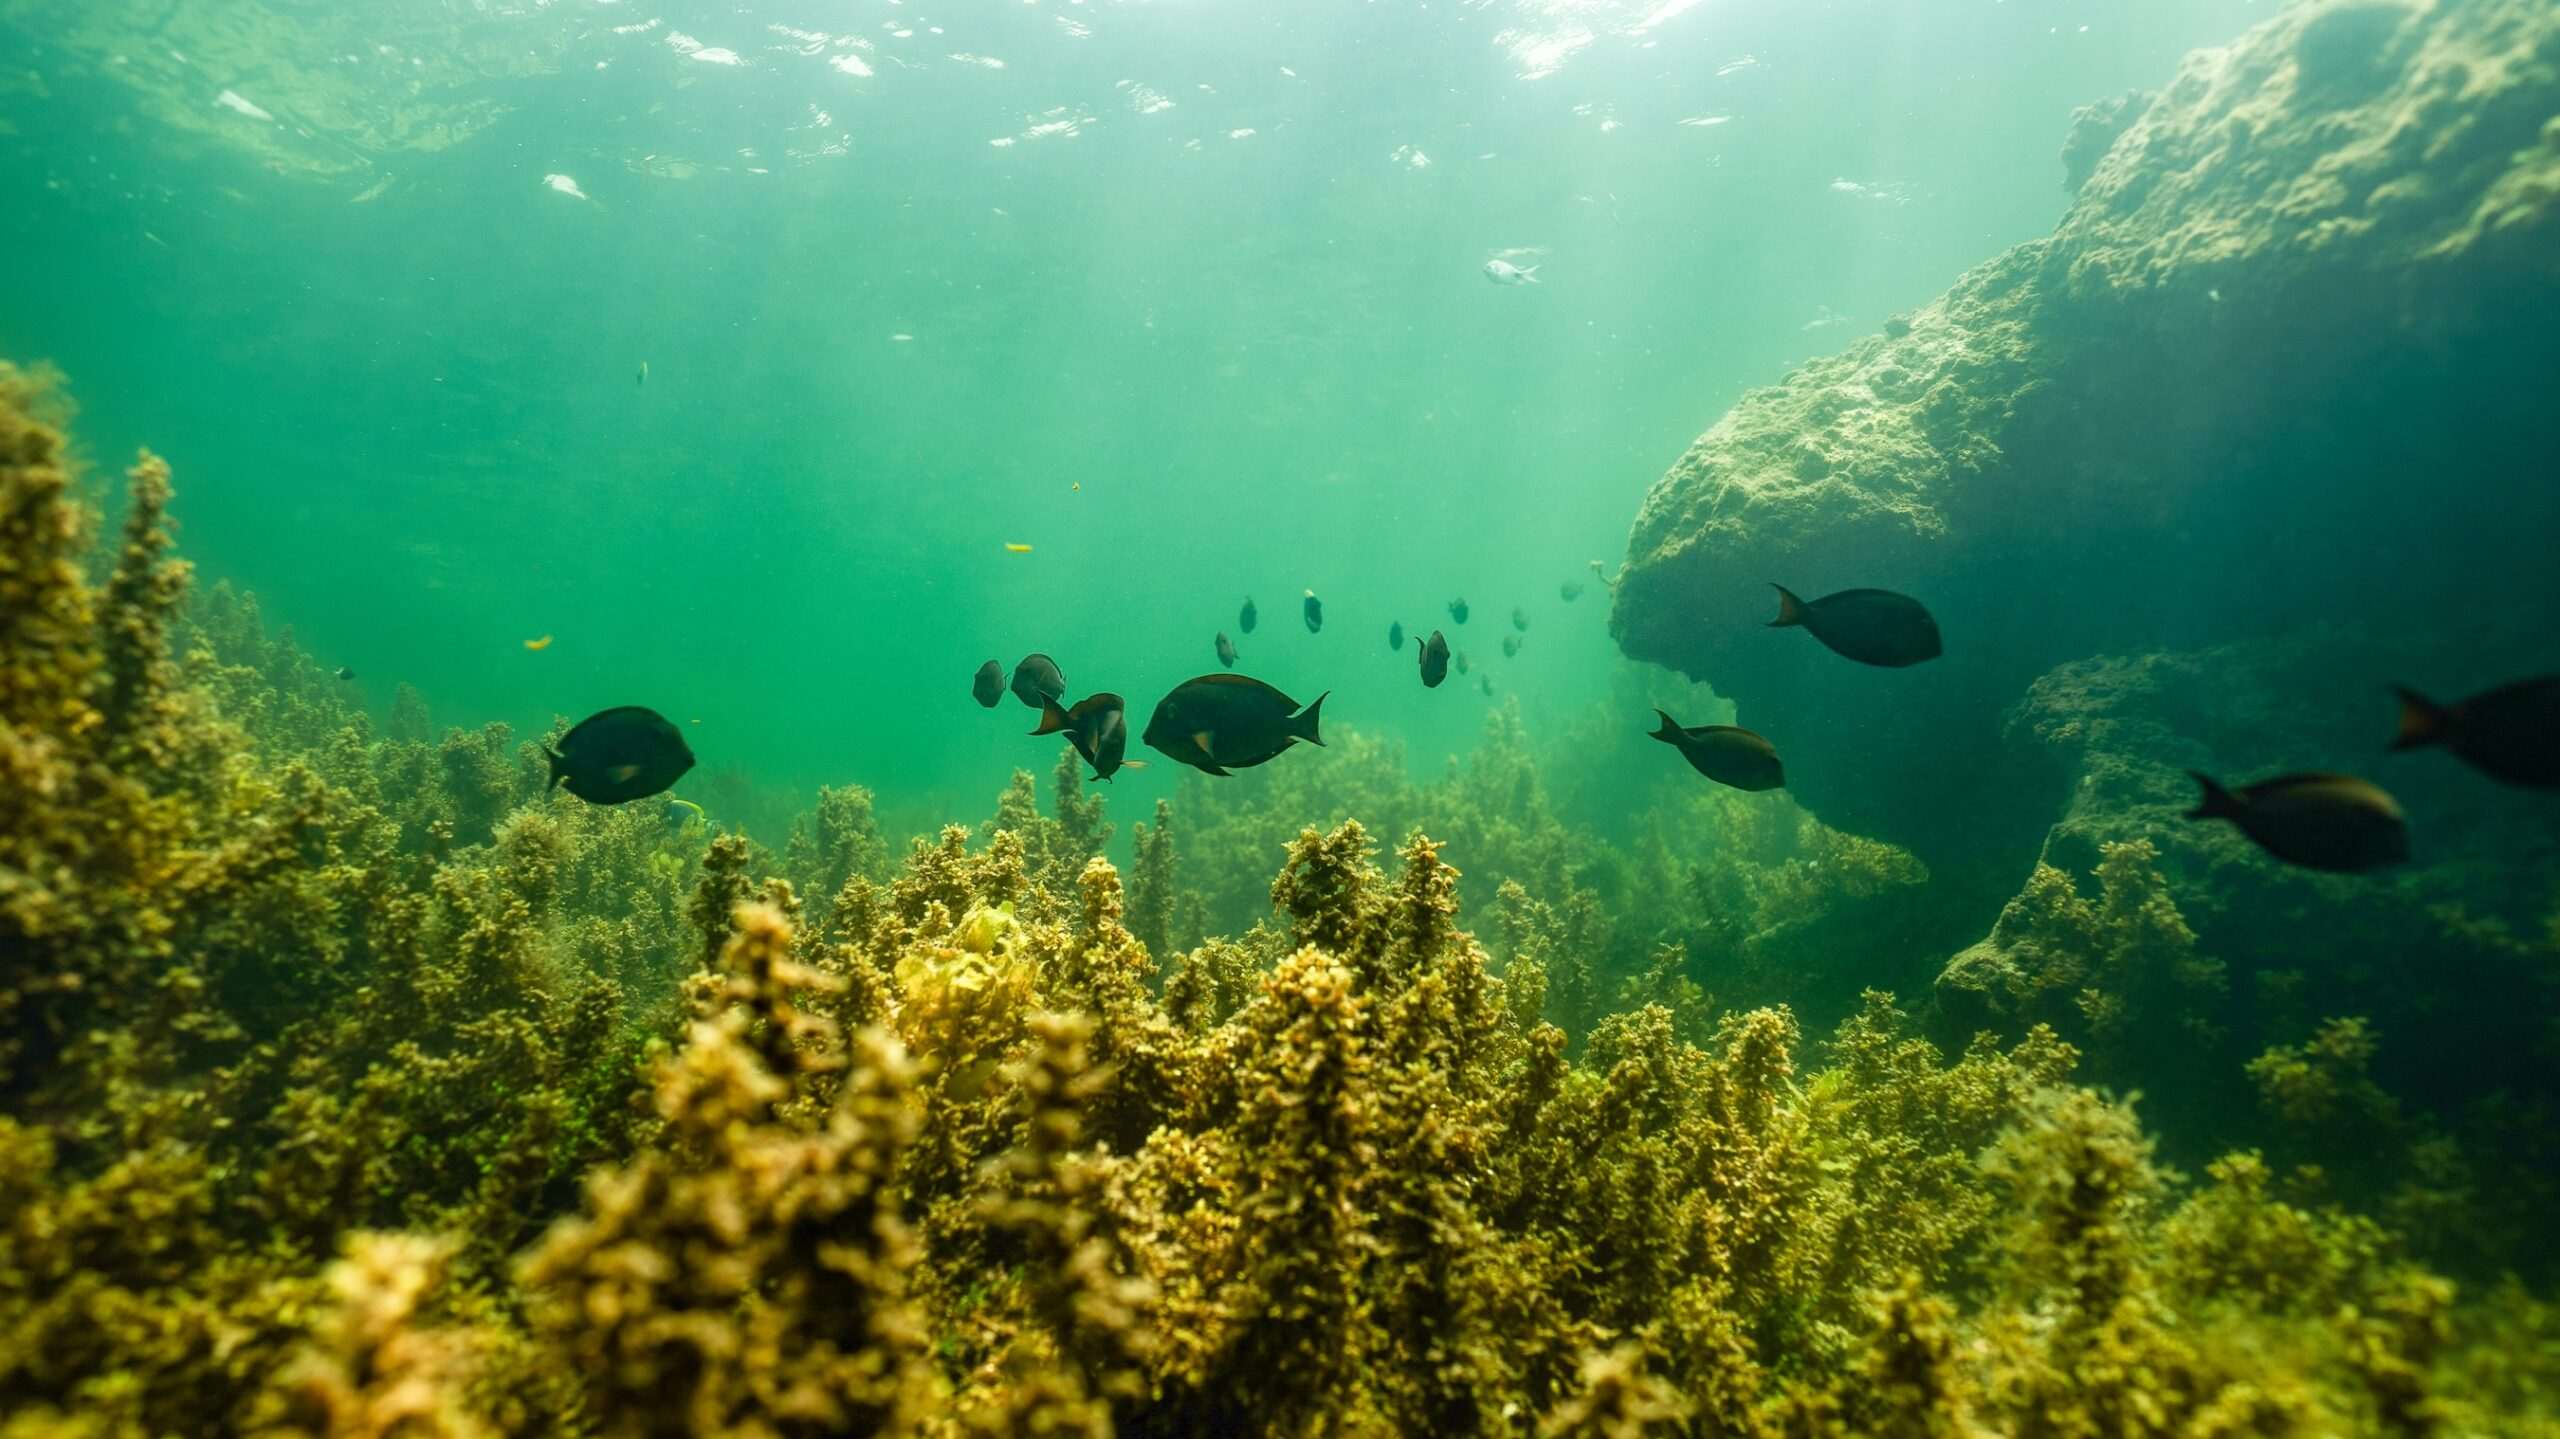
point(346, 672)
point(1037, 681)
point(1570, 591)
point(1395, 636)
point(1873, 627)
point(1226, 650)
point(1315, 613)
point(1458, 610)
point(1519, 619)
point(1510, 646)
point(988, 687)
point(1246, 617)
point(2510, 733)
point(1098, 727)
point(2331, 822)
point(1218, 723)
point(1725, 753)
point(1433, 655)
point(619, 755)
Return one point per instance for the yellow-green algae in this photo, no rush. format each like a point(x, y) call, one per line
point(356, 1086)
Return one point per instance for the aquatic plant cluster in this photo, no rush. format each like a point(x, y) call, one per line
point(358, 1083)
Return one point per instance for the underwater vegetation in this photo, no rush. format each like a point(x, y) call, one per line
point(358, 1082)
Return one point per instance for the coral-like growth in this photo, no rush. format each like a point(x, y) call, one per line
point(356, 1085)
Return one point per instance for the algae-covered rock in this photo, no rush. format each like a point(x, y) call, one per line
point(2433, 950)
point(2285, 360)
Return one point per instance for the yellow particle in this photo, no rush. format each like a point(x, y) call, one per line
point(543, 643)
point(1016, 549)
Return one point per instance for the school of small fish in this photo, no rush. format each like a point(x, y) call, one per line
point(1221, 722)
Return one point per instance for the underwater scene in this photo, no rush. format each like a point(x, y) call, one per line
point(967, 718)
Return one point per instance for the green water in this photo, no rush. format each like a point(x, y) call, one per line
point(1186, 296)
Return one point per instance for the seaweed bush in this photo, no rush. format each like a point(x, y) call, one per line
point(356, 1085)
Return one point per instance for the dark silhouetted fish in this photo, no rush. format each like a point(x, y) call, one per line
point(2510, 733)
point(1569, 591)
point(1247, 617)
point(1226, 650)
point(1315, 613)
point(1037, 681)
point(1487, 682)
point(1433, 656)
point(619, 755)
point(988, 687)
point(1395, 635)
point(1098, 727)
point(1873, 627)
point(346, 672)
point(1519, 619)
point(1458, 611)
point(1725, 753)
point(1222, 722)
point(1462, 661)
point(2334, 822)
point(1510, 646)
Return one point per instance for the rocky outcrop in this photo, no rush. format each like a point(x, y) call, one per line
point(2288, 360)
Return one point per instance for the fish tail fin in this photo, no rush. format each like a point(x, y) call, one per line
point(1529, 276)
point(1670, 730)
point(1304, 726)
point(1790, 609)
point(559, 769)
point(2421, 720)
point(2215, 802)
point(1052, 718)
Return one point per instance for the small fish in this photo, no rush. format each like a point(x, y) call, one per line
point(1246, 617)
point(2510, 733)
point(2331, 822)
point(1038, 682)
point(644, 372)
point(1012, 547)
point(681, 812)
point(1098, 727)
point(1873, 627)
point(346, 673)
point(1570, 591)
point(987, 688)
point(1519, 619)
point(1487, 682)
point(1315, 612)
point(1503, 272)
point(1433, 655)
point(1395, 636)
point(543, 643)
point(1725, 753)
point(619, 755)
point(1462, 661)
point(1226, 650)
point(1075, 487)
point(1458, 611)
point(1222, 722)
point(1510, 646)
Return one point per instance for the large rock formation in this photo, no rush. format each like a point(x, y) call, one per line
point(2289, 359)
